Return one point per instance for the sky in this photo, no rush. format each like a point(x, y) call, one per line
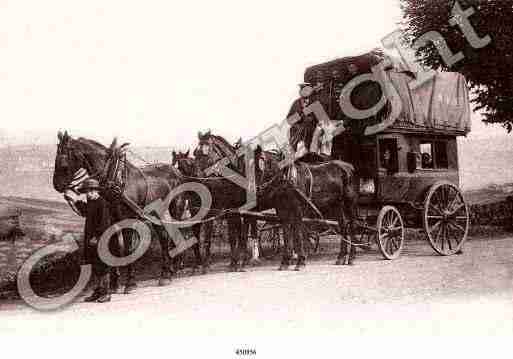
point(155, 73)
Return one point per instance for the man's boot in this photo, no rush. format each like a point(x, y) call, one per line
point(131, 285)
point(104, 288)
point(114, 281)
point(93, 297)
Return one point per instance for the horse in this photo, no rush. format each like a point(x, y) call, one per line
point(189, 168)
point(225, 195)
point(213, 148)
point(81, 158)
point(328, 186)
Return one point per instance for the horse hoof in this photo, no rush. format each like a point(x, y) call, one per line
point(116, 290)
point(283, 267)
point(130, 288)
point(205, 270)
point(241, 269)
point(339, 262)
point(164, 281)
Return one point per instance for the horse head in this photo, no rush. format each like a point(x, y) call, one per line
point(185, 164)
point(212, 148)
point(75, 160)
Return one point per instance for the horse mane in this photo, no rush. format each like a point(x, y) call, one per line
point(87, 142)
point(224, 146)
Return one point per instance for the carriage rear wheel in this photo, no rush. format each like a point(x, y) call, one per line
point(446, 218)
point(390, 232)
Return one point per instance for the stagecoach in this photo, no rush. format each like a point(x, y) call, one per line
point(406, 165)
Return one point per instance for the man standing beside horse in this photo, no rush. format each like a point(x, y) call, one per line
point(98, 220)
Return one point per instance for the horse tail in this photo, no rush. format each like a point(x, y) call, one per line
point(350, 196)
point(348, 170)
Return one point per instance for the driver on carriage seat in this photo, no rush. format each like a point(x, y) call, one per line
point(306, 136)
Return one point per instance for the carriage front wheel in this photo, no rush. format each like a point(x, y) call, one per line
point(446, 218)
point(390, 232)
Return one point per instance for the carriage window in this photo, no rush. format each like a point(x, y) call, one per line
point(388, 155)
point(441, 155)
point(426, 153)
point(434, 154)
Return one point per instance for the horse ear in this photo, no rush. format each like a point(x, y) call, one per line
point(187, 153)
point(59, 135)
point(66, 134)
point(173, 153)
point(208, 132)
point(114, 143)
point(200, 135)
point(124, 147)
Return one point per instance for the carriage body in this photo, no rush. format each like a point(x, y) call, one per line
point(406, 181)
point(406, 154)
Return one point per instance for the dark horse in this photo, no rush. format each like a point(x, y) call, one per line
point(142, 185)
point(210, 150)
point(225, 195)
point(189, 168)
point(328, 186)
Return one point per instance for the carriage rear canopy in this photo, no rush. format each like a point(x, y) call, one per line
point(440, 105)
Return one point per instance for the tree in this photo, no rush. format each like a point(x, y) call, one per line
point(488, 70)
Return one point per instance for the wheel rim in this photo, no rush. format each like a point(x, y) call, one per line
point(390, 232)
point(446, 218)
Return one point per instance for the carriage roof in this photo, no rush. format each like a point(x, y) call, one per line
point(439, 106)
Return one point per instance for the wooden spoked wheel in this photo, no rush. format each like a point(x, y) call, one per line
point(446, 218)
point(390, 232)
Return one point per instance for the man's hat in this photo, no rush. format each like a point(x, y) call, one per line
point(304, 84)
point(89, 184)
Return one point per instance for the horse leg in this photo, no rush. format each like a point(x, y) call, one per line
point(166, 272)
point(349, 208)
point(287, 250)
point(243, 244)
point(118, 250)
point(254, 244)
point(352, 248)
point(207, 241)
point(299, 243)
point(130, 238)
point(233, 233)
point(342, 256)
point(196, 248)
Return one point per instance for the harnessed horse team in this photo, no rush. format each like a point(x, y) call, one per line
point(327, 186)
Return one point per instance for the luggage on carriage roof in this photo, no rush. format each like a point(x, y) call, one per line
point(439, 105)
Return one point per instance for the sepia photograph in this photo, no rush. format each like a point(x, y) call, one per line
point(270, 179)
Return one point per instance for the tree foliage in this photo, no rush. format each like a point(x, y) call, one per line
point(488, 70)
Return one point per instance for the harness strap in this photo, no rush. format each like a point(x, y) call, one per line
point(310, 180)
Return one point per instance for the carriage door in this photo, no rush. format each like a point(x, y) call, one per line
point(366, 169)
point(388, 156)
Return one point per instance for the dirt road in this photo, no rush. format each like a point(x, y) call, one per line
point(419, 293)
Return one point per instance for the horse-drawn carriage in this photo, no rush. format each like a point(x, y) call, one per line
point(394, 169)
point(406, 167)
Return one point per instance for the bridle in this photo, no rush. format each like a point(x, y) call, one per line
point(64, 154)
